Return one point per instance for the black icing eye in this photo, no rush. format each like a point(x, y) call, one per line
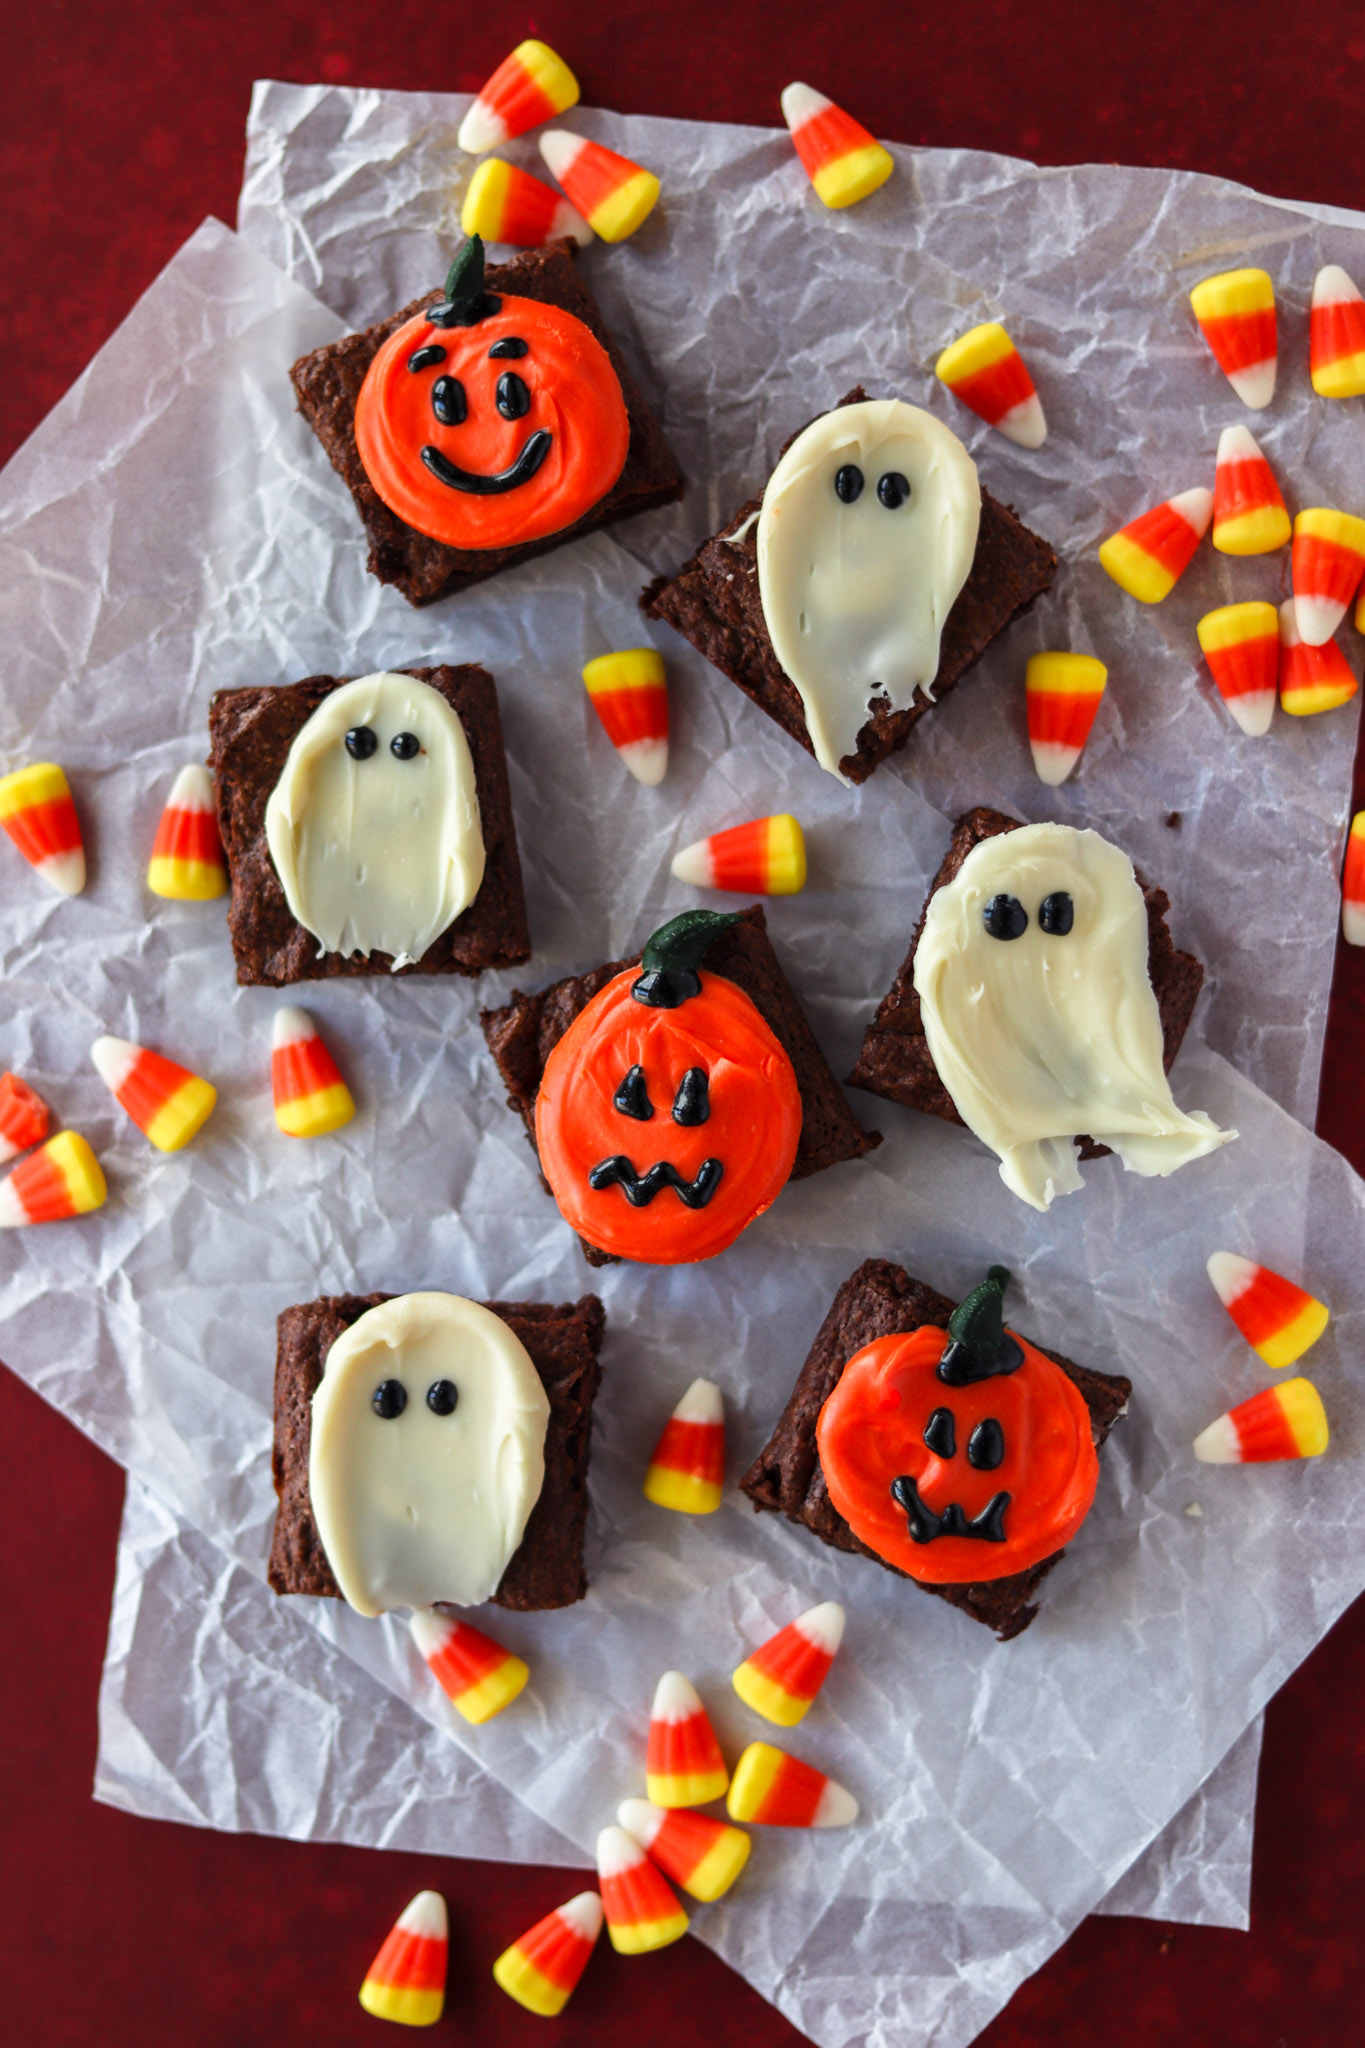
point(404, 745)
point(986, 1445)
point(427, 358)
point(1005, 918)
point(448, 401)
point(510, 350)
point(361, 742)
point(940, 1433)
point(692, 1103)
point(514, 400)
point(389, 1399)
point(893, 489)
point(1057, 915)
point(848, 483)
point(632, 1097)
point(442, 1396)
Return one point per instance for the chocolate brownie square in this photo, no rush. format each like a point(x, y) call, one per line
point(327, 384)
point(894, 1060)
point(522, 1035)
point(250, 734)
point(714, 602)
point(881, 1300)
point(562, 1343)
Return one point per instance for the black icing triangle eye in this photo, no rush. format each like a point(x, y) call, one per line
point(940, 1433)
point(510, 349)
point(848, 483)
point(986, 1445)
point(448, 401)
point(692, 1103)
point(1057, 914)
point(514, 400)
point(632, 1097)
point(442, 1395)
point(1005, 918)
point(361, 742)
point(389, 1399)
point(893, 489)
point(405, 745)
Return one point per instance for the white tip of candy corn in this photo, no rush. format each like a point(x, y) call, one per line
point(642, 1819)
point(291, 1027)
point(703, 1402)
point(1317, 618)
point(617, 1852)
point(481, 129)
point(647, 760)
point(1255, 385)
point(114, 1060)
point(1219, 1443)
point(1333, 286)
point(583, 1913)
point(836, 1808)
point(1231, 1275)
point(1024, 423)
point(823, 1626)
point(800, 103)
point(1353, 923)
point(675, 1696)
point(425, 1915)
point(561, 150)
point(65, 872)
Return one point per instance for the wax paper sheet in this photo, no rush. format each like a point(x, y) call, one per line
point(173, 529)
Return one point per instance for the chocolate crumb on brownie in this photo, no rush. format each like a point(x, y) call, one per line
point(251, 731)
point(880, 1300)
point(327, 384)
point(562, 1343)
point(522, 1035)
point(895, 1061)
point(714, 602)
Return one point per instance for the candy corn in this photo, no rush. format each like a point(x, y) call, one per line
point(1278, 1320)
point(1287, 1421)
point(1336, 335)
point(1149, 556)
point(1061, 694)
point(476, 1674)
point(1353, 884)
point(764, 858)
point(641, 1912)
point(986, 371)
point(37, 812)
point(629, 693)
point(504, 204)
point(1241, 644)
point(1236, 315)
point(704, 1856)
point(167, 1102)
point(187, 853)
point(61, 1179)
point(779, 1791)
point(1311, 678)
point(530, 86)
point(1328, 561)
point(613, 194)
point(310, 1096)
point(542, 1967)
point(843, 162)
point(687, 1470)
point(784, 1674)
point(407, 1979)
point(1248, 512)
point(684, 1766)
point(23, 1117)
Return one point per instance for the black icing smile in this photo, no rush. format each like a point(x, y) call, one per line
point(520, 472)
point(640, 1189)
point(925, 1525)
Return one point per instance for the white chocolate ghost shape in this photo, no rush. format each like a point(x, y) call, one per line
point(427, 1452)
point(1031, 973)
point(374, 824)
point(866, 536)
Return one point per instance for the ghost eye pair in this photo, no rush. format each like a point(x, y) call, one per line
point(892, 489)
point(362, 741)
point(390, 1398)
point(1006, 918)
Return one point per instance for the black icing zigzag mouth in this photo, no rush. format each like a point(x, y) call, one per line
point(640, 1189)
point(925, 1525)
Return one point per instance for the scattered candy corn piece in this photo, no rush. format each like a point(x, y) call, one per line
point(687, 1470)
point(784, 1674)
point(542, 1967)
point(62, 1178)
point(1061, 694)
point(477, 1675)
point(1353, 884)
point(779, 1791)
point(1359, 620)
point(1241, 644)
point(37, 812)
point(1287, 1421)
point(843, 162)
point(1328, 561)
point(766, 857)
point(187, 854)
point(986, 371)
point(530, 86)
point(1248, 512)
point(505, 204)
point(683, 1766)
point(1311, 678)
point(641, 1912)
point(167, 1102)
point(1236, 315)
point(407, 1979)
point(310, 1096)
point(613, 194)
point(1336, 335)
point(704, 1856)
point(1278, 1320)
point(629, 693)
point(23, 1117)
point(1149, 557)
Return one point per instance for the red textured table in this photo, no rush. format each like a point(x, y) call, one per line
point(120, 128)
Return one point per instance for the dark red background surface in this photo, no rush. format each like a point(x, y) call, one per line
point(120, 128)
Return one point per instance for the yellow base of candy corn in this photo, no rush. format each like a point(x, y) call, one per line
point(1135, 571)
point(1320, 697)
point(852, 177)
point(409, 2007)
point(768, 1698)
point(1253, 533)
point(786, 856)
point(312, 1116)
point(622, 211)
point(719, 1867)
point(647, 1934)
point(1295, 1338)
point(176, 1122)
point(186, 881)
point(479, 1703)
point(1345, 378)
point(520, 1979)
point(685, 1788)
point(86, 1186)
point(681, 1491)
